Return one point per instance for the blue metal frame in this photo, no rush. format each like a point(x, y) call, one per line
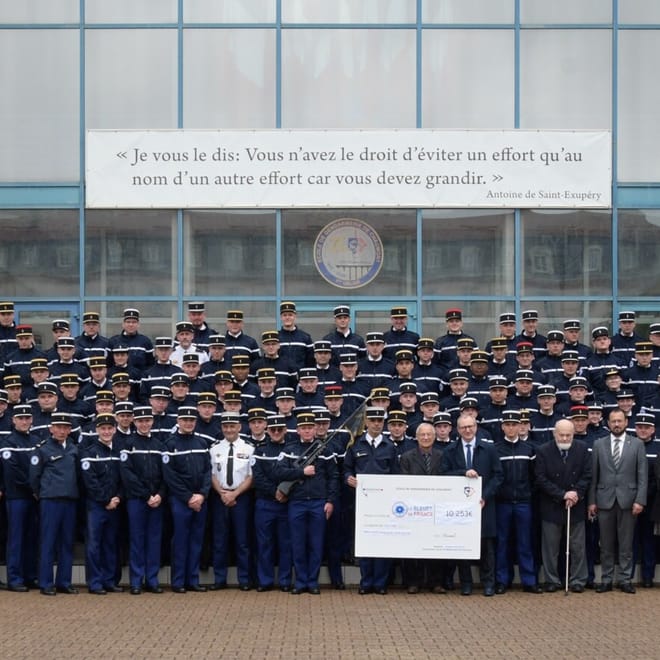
point(59, 195)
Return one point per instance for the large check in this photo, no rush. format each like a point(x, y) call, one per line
point(418, 517)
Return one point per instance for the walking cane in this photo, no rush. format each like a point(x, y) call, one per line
point(568, 536)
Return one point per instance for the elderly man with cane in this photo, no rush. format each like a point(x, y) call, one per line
point(563, 474)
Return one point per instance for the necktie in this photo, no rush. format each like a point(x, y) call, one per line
point(427, 462)
point(616, 452)
point(468, 456)
point(564, 455)
point(230, 465)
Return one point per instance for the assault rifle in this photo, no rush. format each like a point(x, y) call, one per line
point(354, 425)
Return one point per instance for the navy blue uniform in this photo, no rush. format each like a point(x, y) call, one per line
point(54, 473)
point(297, 346)
point(187, 471)
point(22, 520)
point(141, 471)
point(100, 473)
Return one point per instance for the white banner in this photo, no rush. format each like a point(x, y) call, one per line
point(418, 517)
point(348, 169)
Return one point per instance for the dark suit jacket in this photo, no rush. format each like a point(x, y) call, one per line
point(487, 464)
point(411, 461)
point(554, 478)
point(655, 510)
point(624, 485)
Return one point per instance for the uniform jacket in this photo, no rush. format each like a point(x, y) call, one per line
point(187, 466)
point(17, 450)
point(625, 485)
point(54, 470)
point(141, 467)
point(99, 464)
point(554, 478)
point(363, 458)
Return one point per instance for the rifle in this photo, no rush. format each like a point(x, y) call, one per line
point(354, 424)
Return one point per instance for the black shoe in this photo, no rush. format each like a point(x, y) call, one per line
point(154, 590)
point(339, 586)
point(217, 586)
point(500, 589)
point(466, 590)
point(98, 592)
point(67, 590)
point(381, 592)
point(413, 589)
point(178, 590)
point(197, 588)
point(577, 588)
point(244, 587)
point(532, 589)
point(603, 587)
point(315, 591)
point(113, 589)
point(590, 585)
point(489, 591)
point(450, 586)
point(48, 591)
point(363, 591)
point(17, 587)
point(627, 588)
point(438, 590)
point(647, 584)
point(31, 584)
point(296, 592)
point(551, 587)
point(136, 591)
point(285, 588)
point(262, 588)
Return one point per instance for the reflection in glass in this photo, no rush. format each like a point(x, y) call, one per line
point(39, 254)
point(639, 253)
point(566, 253)
point(130, 253)
point(467, 253)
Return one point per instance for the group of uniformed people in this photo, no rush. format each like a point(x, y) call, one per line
point(220, 446)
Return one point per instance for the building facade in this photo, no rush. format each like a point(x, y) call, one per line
point(67, 66)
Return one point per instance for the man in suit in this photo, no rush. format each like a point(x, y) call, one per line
point(563, 473)
point(618, 494)
point(474, 458)
point(425, 459)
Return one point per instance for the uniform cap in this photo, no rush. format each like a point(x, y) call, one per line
point(217, 340)
point(375, 413)
point(207, 397)
point(511, 416)
point(307, 373)
point(222, 375)
point(105, 418)
point(322, 345)
point(60, 418)
point(627, 316)
point(256, 413)
point(196, 306)
point(643, 347)
point(499, 342)
point(234, 315)
point(233, 395)
point(468, 402)
point(184, 326)
point(342, 310)
point(525, 374)
point(270, 335)
point(465, 342)
point(375, 338)
point(6, 306)
point(120, 377)
point(275, 421)
point(186, 412)
point(578, 411)
point(161, 392)
point(240, 360)
point(530, 315)
point(13, 380)
point(645, 418)
point(131, 313)
point(190, 358)
point(179, 378)
point(425, 342)
point(479, 356)
point(104, 395)
point(305, 419)
point(569, 355)
point(409, 387)
point(230, 418)
point(91, 317)
point(600, 331)
point(397, 416)
point(163, 342)
point(377, 393)
point(453, 313)
point(23, 330)
point(97, 361)
point(428, 397)
point(577, 381)
point(546, 390)
point(497, 381)
point(555, 335)
point(287, 306)
point(524, 347)
point(442, 417)
point(458, 374)
point(507, 317)
point(142, 412)
point(399, 312)
point(267, 373)
point(38, 363)
point(572, 324)
point(60, 324)
point(68, 342)
point(405, 354)
point(333, 391)
point(22, 410)
point(348, 358)
point(69, 379)
point(284, 393)
point(124, 407)
point(46, 388)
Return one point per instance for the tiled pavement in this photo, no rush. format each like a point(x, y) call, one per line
point(234, 624)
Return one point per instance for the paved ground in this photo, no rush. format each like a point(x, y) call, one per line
point(234, 624)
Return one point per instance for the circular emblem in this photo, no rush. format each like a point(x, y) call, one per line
point(6, 454)
point(166, 458)
point(253, 460)
point(34, 460)
point(399, 509)
point(348, 253)
point(123, 455)
point(85, 465)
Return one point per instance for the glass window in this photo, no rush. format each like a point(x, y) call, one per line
point(565, 79)
point(566, 253)
point(130, 253)
point(553, 313)
point(348, 79)
point(639, 99)
point(39, 11)
point(449, 59)
point(479, 317)
point(639, 11)
point(39, 254)
point(39, 124)
point(229, 250)
point(467, 253)
point(157, 319)
point(467, 11)
point(131, 78)
point(639, 253)
point(229, 79)
point(130, 11)
point(565, 11)
point(365, 11)
point(229, 11)
point(303, 268)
